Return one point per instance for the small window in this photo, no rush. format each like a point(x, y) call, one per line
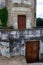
point(35, 15)
point(16, 4)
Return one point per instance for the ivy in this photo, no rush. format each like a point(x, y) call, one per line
point(4, 16)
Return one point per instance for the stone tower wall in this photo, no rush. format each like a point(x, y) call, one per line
point(15, 9)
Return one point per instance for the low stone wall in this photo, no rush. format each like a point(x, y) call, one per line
point(12, 42)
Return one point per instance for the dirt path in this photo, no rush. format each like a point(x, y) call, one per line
point(13, 61)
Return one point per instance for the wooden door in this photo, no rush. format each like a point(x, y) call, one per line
point(21, 22)
point(32, 51)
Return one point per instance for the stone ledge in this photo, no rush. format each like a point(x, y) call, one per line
point(21, 5)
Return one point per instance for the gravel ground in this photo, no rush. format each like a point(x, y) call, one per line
point(13, 61)
point(35, 64)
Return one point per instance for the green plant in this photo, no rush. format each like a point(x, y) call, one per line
point(39, 22)
point(4, 16)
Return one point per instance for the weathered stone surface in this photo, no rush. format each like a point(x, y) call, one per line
point(18, 43)
point(22, 8)
point(4, 51)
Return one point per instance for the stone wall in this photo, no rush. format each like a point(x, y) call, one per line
point(21, 9)
point(16, 8)
point(16, 41)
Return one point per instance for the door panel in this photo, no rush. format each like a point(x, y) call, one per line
point(32, 51)
point(21, 22)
